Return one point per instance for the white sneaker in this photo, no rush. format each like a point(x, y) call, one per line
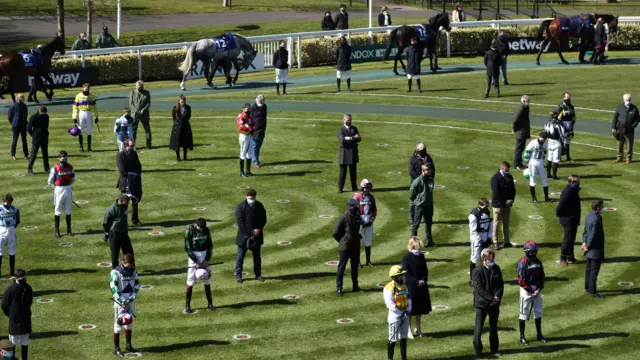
point(410, 335)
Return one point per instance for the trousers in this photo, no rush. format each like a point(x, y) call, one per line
point(481, 314)
point(22, 132)
point(353, 169)
point(419, 214)
point(503, 214)
point(517, 154)
point(256, 145)
point(257, 260)
point(566, 249)
point(591, 275)
point(626, 139)
point(354, 257)
point(118, 241)
point(35, 146)
point(147, 129)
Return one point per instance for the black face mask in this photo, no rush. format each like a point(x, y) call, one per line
point(353, 211)
point(123, 206)
point(540, 142)
point(423, 152)
point(63, 162)
point(248, 112)
point(399, 281)
point(348, 123)
point(22, 282)
point(568, 101)
point(85, 92)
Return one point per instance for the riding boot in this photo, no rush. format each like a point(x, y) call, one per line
point(546, 194)
point(472, 266)
point(127, 334)
point(187, 308)
point(554, 166)
point(567, 152)
point(403, 348)
point(391, 346)
point(116, 344)
point(148, 140)
point(57, 225)
point(349, 84)
point(134, 213)
point(81, 144)
point(284, 88)
point(548, 169)
point(12, 265)
point(89, 143)
point(419, 87)
point(409, 85)
point(278, 88)
point(248, 166)
point(177, 155)
point(242, 168)
point(539, 330)
point(184, 153)
point(24, 350)
point(68, 219)
point(497, 85)
point(207, 292)
point(337, 85)
point(532, 189)
point(367, 253)
point(523, 339)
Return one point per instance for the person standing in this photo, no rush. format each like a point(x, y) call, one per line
point(259, 116)
point(555, 131)
point(593, 246)
point(480, 232)
point(503, 194)
point(419, 157)
point(139, 103)
point(16, 305)
point(38, 128)
point(130, 178)
point(84, 108)
point(348, 138)
point(567, 114)
point(342, 19)
point(488, 288)
point(384, 18)
point(599, 40)
point(251, 218)
point(116, 229)
point(414, 58)
point(81, 43)
point(61, 177)
point(280, 62)
point(493, 61)
point(368, 213)
point(531, 280)
point(9, 221)
point(199, 248)
point(503, 49)
point(346, 231)
point(397, 300)
point(625, 121)
point(568, 210)
point(458, 13)
point(415, 264)
point(124, 284)
point(18, 113)
point(327, 22)
point(246, 126)
point(343, 54)
point(522, 128)
point(421, 196)
point(533, 155)
point(181, 134)
point(123, 128)
point(106, 40)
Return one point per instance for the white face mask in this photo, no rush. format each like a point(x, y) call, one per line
point(627, 103)
point(490, 264)
point(259, 105)
point(251, 202)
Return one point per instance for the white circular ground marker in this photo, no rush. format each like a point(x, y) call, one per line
point(194, 311)
point(171, 162)
point(318, 180)
point(556, 194)
point(204, 174)
point(283, 201)
point(376, 234)
point(403, 209)
point(325, 216)
point(244, 273)
point(344, 321)
point(103, 264)
point(82, 202)
point(107, 141)
point(243, 187)
point(162, 194)
point(146, 287)
point(66, 244)
point(29, 227)
point(332, 263)
point(382, 145)
point(535, 217)
point(462, 167)
point(156, 233)
point(440, 307)
point(241, 337)
point(284, 243)
point(18, 175)
point(44, 300)
point(133, 355)
point(291, 297)
point(610, 209)
point(86, 327)
point(439, 186)
point(454, 226)
point(210, 145)
point(280, 167)
point(394, 173)
point(309, 125)
point(625, 283)
point(199, 208)
point(47, 188)
point(314, 150)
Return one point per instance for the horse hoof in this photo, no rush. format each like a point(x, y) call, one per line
point(395, 72)
point(538, 63)
point(183, 88)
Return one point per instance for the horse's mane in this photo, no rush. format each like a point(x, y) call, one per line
point(438, 17)
point(606, 17)
point(245, 39)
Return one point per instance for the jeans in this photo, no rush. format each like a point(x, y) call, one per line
point(256, 144)
point(354, 257)
point(257, 260)
point(504, 70)
point(17, 131)
point(566, 250)
point(591, 275)
point(427, 214)
point(481, 315)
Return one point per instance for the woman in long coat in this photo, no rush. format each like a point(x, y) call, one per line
point(415, 264)
point(181, 136)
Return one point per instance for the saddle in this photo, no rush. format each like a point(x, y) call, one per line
point(422, 33)
point(30, 60)
point(225, 42)
point(573, 25)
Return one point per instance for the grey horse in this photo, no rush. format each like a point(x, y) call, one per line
point(206, 51)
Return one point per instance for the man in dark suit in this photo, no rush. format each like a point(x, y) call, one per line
point(346, 232)
point(259, 115)
point(593, 246)
point(493, 61)
point(625, 120)
point(17, 116)
point(348, 138)
point(568, 210)
point(503, 49)
point(342, 19)
point(419, 158)
point(488, 288)
point(251, 218)
point(130, 179)
point(38, 128)
point(503, 193)
point(522, 128)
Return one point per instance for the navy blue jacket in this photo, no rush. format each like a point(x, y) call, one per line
point(18, 114)
point(259, 116)
point(568, 209)
point(414, 57)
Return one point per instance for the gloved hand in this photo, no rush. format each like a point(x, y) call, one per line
point(106, 236)
point(97, 120)
point(405, 314)
point(75, 121)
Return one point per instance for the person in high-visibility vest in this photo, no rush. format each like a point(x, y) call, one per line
point(396, 297)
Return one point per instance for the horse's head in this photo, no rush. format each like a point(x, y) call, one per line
point(56, 44)
point(441, 20)
point(249, 53)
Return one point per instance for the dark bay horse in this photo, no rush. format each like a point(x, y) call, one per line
point(550, 31)
point(402, 36)
point(12, 66)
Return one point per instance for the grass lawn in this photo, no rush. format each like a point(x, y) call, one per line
point(146, 7)
point(300, 157)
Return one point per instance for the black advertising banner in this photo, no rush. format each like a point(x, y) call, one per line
point(64, 78)
point(529, 45)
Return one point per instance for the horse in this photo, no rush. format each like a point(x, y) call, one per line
point(220, 51)
point(552, 30)
point(12, 65)
point(402, 38)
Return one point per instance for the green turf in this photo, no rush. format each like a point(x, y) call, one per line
point(306, 329)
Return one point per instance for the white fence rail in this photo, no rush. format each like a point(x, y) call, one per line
point(267, 44)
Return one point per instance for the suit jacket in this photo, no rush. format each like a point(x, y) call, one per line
point(593, 236)
point(521, 123)
point(415, 166)
point(259, 116)
point(248, 218)
point(38, 127)
point(140, 101)
point(342, 21)
point(625, 119)
point(381, 17)
point(346, 231)
point(127, 162)
point(348, 153)
point(568, 209)
point(487, 283)
point(502, 189)
point(492, 61)
point(17, 115)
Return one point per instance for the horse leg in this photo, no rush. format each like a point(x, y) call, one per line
point(544, 43)
point(431, 63)
point(206, 66)
point(235, 78)
point(50, 82)
point(560, 53)
point(184, 81)
point(435, 60)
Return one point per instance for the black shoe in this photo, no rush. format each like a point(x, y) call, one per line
point(239, 279)
point(69, 233)
point(340, 191)
point(242, 174)
point(130, 349)
point(535, 201)
point(571, 260)
point(136, 222)
point(556, 177)
point(259, 279)
point(506, 83)
point(541, 339)
point(431, 244)
point(548, 200)
point(369, 264)
point(211, 307)
point(497, 353)
point(486, 96)
point(523, 341)
point(338, 292)
point(58, 235)
point(507, 245)
point(30, 172)
point(357, 289)
point(248, 173)
point(117, 352)
point(597, 295)
point(47, 170)
point(187, 309)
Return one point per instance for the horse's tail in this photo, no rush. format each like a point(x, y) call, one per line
point(543, 28)
point(392, 39)
point(188, 60)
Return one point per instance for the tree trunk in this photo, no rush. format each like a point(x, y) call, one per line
point(60, 15)
point(89, 19)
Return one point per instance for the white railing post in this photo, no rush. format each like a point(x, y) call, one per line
point(82, 60)
point(448, 44)
point(349, 38)
point(290, 50)
point(119, 20)
point(299, 45)
point(139, 64)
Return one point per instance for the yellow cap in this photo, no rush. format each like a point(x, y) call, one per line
point(396, 270)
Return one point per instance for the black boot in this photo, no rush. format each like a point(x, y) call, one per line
point(207, 292)
point(349, 84)
point(409, 81)
point(57, 225)
point(337, 85)
point(548, 169)
point(554, 167)
point(247, 165)
point(127, 334)
point(284, 88)
point(184, 153)
point(24, 350)
point(177, 155)
point(532, 189)
point(148, 140)
point(81, 143)
point(546, 194)
point(523, 340)
point(391, 346)
point(419, 86)
point(278, 88)
point(12, 265)
point(187, 308)
point(68, 219)
point(367, 253)
point(116, 345)
point(242, 174)
point(567, 152)
point(539, 331)
point(89, 143)
point(403, 348)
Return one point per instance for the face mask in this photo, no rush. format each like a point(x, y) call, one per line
point(540, 142)
point(353, 210)
point(491, 263)
point(348, 123)
point(259, 105)
point(568, 101)
point(85, 92)
point(531, 256)
point(501, 37)
point(423, 152)
point(627, 103)
point(248, 112)
point(124, 206)
point(22, 282)
point(62, 161)
point(399, 281)
point(251, 202)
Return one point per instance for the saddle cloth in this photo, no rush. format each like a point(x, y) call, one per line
point(225, 43)
point(29, 59)
point(573, 25)
point(425, 34)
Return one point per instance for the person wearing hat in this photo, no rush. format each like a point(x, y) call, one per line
point(116, 228)
point(534, 154)
point(343, 55)
point(493, 61)
point(346, 232)
point(9, 221)
point(488, 288)
point(396, 298)
point(368, 213)
point(16, 305)
point(106, 40)
point(481, 231)
point(124, 284)
point(199, 248)
point(531, 280)
point(246, 126)
point(38, 128)
point(61, 177)
point(421, 196)
point(6, 349)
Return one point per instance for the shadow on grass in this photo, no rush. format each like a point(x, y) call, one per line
point(611, 158)
point(303, 276)
point(622, 259)
point(37, 272)
point(573, 165)
point(51, 334)
point(296, 162)
point(531, 84)
point(593, 198)
point(452, 222)
point(594, 336)
point(632, 291)
point(95, 170)
point(544, 349)
point(51, 292)
point(399, 188)
point(213, 158)
point(257, 303)
point(454, 244)
point(165, 170)
point(548, 278)
point(172, 223)
point(463, 332)
point(291, 173)
point(599, 176)
point(101, 232)
point(182, 346)
point(175, 271)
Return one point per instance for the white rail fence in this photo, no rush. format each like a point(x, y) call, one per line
point(267, 44)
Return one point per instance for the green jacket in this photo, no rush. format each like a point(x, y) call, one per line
point(81, 44)
point(115, 219)
point(140, 101)
point(106, 41)
point(421, 192)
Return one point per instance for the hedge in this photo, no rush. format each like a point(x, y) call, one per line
point(162, 65)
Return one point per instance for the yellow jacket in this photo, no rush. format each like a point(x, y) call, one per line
point(84, 103)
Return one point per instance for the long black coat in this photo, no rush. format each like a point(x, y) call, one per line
point(343, 54)
point(327, 24)
point(346, 231)
point(38, 127)
point(521, 123)
point(492, 61)
point(342, 21)
point(414, 58)
point(248, 218)
point(502, 189)
point(487, 283)
point(181, 135)
point(16, 304)
point(599, 35)
point(129, 164)
point(348, 153)
point(568, 209)
point(259, 116)
point(416, 267)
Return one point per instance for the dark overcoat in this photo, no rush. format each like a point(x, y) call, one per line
point(416, 268)
point(16, 304)
point(181, 135)
point(348, 153)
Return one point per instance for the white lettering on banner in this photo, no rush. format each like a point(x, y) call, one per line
point(197, 71)
point(69, 79)
point(527, 44)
